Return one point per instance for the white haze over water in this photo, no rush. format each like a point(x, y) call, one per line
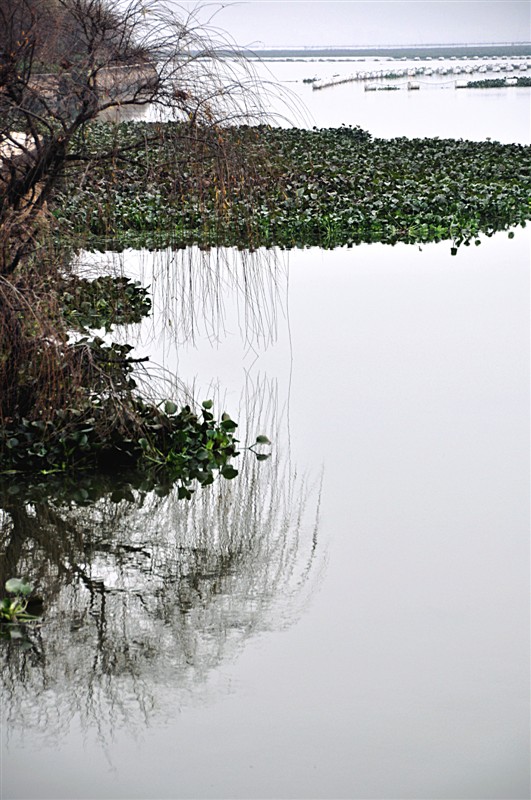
point(353, 23)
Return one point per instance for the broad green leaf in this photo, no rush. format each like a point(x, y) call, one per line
point(229, 425)
point(229, 472)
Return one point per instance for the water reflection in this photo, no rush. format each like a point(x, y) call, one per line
point(202, 293)
point(150, 590)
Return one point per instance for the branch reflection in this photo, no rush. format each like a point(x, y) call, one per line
point(152, 592)
point(199, 294)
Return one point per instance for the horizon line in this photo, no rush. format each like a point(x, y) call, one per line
point(375, 46)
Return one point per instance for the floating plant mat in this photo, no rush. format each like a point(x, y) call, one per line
point(290, 188)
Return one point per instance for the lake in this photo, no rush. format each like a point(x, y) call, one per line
point(349, 619)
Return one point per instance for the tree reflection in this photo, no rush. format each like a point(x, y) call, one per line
point(152, 591)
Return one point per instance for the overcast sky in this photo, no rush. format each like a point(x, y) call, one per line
point(303, 23)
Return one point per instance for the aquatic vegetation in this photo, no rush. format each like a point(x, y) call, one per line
point(62, 402)
point(100, 421)
point(13, 608)
point(329, 187)
point(496, 83)
point(176, 445)
point(103, 302)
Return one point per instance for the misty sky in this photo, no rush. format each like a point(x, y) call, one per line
point(274, 23)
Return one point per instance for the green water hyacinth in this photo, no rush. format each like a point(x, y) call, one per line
point(178, 445)
point(103, 302)
point(13, 608)
point(322, 187)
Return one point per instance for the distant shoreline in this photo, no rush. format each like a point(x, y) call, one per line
point(395, 51)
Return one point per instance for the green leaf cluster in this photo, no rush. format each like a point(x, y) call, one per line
point(321, 187)
point(13, 608)
point(189, 447)
point(496, 83)
point(103, 302)
point(167, 445)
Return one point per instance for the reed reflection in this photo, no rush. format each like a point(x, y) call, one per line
point(201, 294)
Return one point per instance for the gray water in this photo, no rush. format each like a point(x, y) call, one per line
point(351, 618)
point(436, 109)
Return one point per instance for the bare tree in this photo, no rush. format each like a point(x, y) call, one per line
point(64, 63)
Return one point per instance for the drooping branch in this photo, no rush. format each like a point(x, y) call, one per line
point(63, 63)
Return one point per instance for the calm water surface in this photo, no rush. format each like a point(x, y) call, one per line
point(351, 618)
point(436, 109)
